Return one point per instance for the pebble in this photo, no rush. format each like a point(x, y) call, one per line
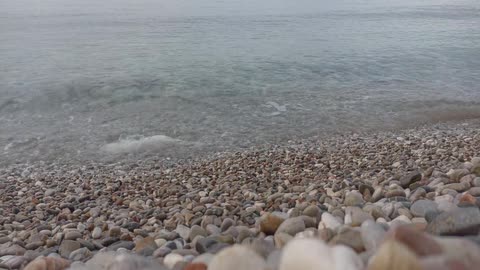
point(97, 233)
point(172, 259)
point(372, 235)
point(461, 221)
point(329, 222)
point(270, 222)
point(353, 198)
point(237, 257)
point(72, 235)
point(187, 216)
point(67, 247)
point(421, 207)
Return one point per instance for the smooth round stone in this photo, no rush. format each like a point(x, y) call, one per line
point(312, 254)
point(351, 238)
point(400, 220)
point(410, 178)
point(329, 222)
point(292, 226)
point(261, 246)
point(50, 192)
point(80, 254)
point(273, 259)
point(226, 223)
point(355, 216)
point(372, 235)
point(237, 257)
point(183, 231)
point(114, 232)
point(421, 207)
point(195, 231)
point(172, 259)
point(476, 182)
point(129, 245)
point(67, 247)
point(212, 229)
point(161, 252)
point(270, 222)
point(97, 233)
point(145, 246)
point(312, 211)
point(474, 191)
point(395, 193)
point(461, 221)
point(456, 174)
point(353, 198)
point(204, 258)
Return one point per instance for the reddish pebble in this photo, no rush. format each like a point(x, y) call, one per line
point(468, 199)
point(196, 266)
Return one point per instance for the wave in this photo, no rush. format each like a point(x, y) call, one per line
point(139, 143)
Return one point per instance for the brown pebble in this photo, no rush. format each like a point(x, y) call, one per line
point(48, 263)
point(196, 266)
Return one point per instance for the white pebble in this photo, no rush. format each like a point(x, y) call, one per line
point(172, 259)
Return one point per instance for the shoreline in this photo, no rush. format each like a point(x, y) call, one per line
point(191, 213)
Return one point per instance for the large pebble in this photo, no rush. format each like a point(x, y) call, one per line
point(270, 222)
point(329, 222)
point(353, 198)
point(421, 207)
point(48, 263)
point(67, 247)
point(461, 221)
point(237, 258)
point(312, 254)
point(372, 235)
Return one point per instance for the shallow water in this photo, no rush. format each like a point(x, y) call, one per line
point(91, 80)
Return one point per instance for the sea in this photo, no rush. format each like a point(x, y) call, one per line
point(118, 80)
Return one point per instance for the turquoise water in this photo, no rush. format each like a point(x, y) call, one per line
point(85, 80)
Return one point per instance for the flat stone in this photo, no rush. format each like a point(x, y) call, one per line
point(161, 252)
point(12, 262)
point(128, 245)
point(461, 221)
point(395, 193)
point(107, 241)
point(145, 246)
point(410, 178)
point(34, 245)
point(351, 238)
point(67, 247)
point(183, 231)
point(80, 254)
point(72, 235)
point(5, 239)
point(196, 230)
point(421, 207)
point(115, 232)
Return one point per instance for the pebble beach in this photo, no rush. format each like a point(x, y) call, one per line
point(406, 199)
